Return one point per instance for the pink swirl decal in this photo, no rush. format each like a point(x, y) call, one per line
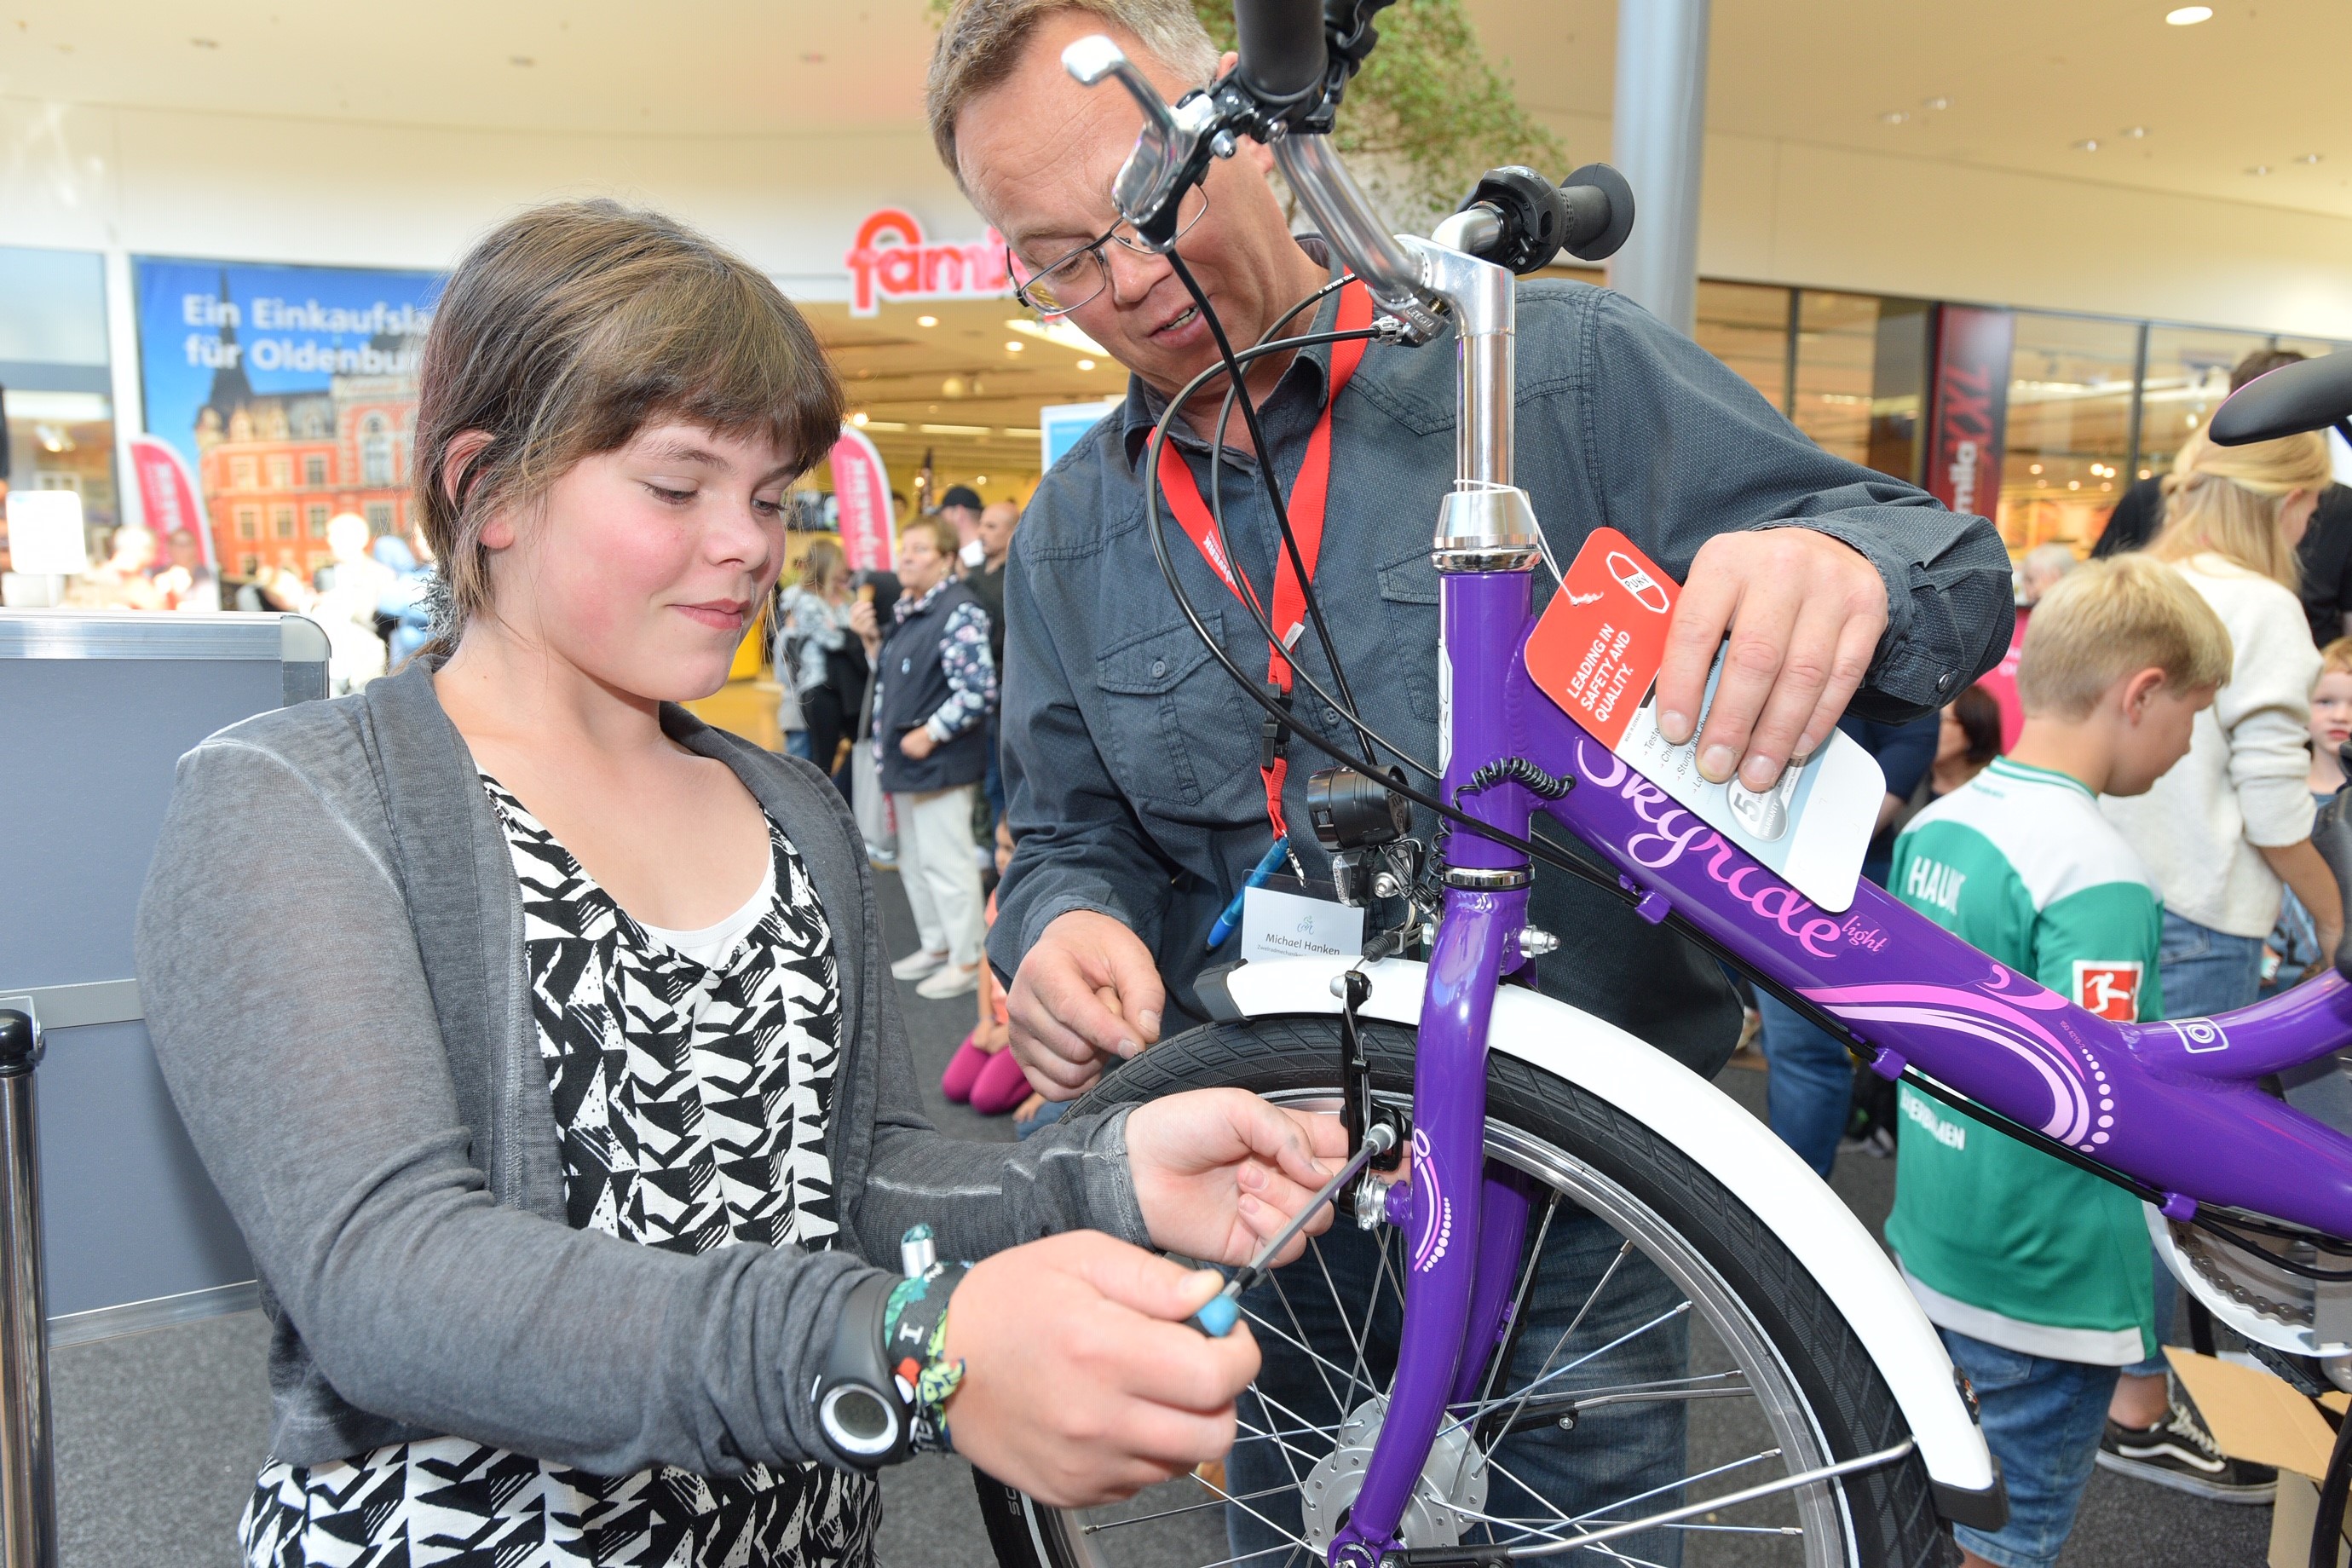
point(1997, 1019)
point(1436, 1210)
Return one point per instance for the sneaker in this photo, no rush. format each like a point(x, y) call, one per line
point(2179, 1453)
point(914, 965)
point(951, 981)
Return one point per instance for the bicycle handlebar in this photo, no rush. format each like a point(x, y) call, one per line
point(1282, 52)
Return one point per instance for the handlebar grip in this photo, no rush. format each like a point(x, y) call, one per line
point(1281, 48)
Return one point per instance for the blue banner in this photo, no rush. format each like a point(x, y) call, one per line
point(211, 331)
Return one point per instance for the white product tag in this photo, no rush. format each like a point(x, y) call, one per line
point(1812, 827)
point(1276, 924)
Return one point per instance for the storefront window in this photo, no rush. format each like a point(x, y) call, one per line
point(2188, 376)
point(1861, 374)
point(1745, 325)
point(2070, 415)
point(60, 409)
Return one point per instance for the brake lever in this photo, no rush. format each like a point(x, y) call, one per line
point(1171, 153)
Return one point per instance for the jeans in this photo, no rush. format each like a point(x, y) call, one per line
point(2203, 972)
point(2041, 1420)
point(993, 785)
point(1809, 1093)
point(1614, 1452)
point(796, 743)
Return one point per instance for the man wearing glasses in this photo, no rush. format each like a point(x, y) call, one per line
point(1133, 763)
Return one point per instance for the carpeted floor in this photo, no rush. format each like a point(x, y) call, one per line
point(159, 1435)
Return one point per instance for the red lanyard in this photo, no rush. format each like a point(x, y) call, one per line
point(1308, 496)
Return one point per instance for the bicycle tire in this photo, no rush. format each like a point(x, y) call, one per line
point(1888, 1514)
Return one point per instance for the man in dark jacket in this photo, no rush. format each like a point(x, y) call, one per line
point(934, 688)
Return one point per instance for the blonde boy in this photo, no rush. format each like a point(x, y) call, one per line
point(2035, 1273)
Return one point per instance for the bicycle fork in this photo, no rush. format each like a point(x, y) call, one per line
point(1466, 1225)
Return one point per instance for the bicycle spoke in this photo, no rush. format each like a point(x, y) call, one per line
point(1676, 1310)
point(1172, 1512)
point(1519, 1297)
point(1296, 1345)
point(1355, 1341)
point(1562, 1343)
point(1293, 1537)
point(1292, 1314)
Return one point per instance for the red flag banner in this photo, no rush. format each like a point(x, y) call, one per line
point(168, 496)
point(861, 487)
point(1969, 412)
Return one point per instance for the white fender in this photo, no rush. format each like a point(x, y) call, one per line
point(1730, 1144)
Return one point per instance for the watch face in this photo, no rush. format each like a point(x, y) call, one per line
point(859, 1419)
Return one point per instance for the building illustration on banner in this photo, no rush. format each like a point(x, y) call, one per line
point(291, 392)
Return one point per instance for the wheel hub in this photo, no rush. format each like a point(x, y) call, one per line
point(1453, 1480)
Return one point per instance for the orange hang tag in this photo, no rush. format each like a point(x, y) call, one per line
point(1604, 637)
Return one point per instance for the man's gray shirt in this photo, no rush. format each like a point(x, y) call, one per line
point(1130, 759)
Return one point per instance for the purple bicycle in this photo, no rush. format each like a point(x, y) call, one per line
point(1721, 1295)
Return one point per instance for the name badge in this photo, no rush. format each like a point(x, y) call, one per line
point(1276, 924)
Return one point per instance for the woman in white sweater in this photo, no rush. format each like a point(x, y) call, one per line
point(2232, 820)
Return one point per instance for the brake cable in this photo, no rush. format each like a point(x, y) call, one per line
point(1273, 489)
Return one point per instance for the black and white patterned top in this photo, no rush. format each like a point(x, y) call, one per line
point(691, 1100)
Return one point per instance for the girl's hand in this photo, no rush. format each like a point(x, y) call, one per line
point(1218, 1171)
point(1082, 1383)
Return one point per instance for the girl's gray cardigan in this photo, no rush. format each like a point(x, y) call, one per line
point(330, 955)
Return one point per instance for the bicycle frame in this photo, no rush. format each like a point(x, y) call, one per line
point(2171, 1106)
point(2174, 1105)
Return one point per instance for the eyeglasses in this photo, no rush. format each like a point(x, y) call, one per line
point(1082, 274)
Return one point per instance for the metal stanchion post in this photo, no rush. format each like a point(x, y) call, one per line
point(28, 1501)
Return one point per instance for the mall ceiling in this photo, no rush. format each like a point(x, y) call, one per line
point(2022, 84)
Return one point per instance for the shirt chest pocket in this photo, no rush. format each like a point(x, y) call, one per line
point(1181, 740)
point(1409, 598)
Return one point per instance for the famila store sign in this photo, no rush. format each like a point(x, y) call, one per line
point(891, 260)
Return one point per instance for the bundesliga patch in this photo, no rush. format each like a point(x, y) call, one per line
point(2109, 987)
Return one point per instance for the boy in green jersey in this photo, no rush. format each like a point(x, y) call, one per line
point(2034, 1272)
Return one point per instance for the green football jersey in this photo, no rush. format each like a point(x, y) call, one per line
point(2002, 1242)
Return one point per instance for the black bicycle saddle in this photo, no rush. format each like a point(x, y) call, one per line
point(2311, 395)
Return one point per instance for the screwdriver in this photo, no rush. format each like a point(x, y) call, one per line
point(1218, 1315)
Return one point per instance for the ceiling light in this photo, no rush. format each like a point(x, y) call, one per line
point(927, 320)
point(2190, 15)
point(1940, 103)
point(858, 418)
point(2107, 487)
point(2135, 132)
point(2260, 169)
point(2308, 158)
point(2035, 469)
point(1086, 364)
point(1894, 117)
point(2087, 144)
point(1014, 348)
point(2073, 484)
point(980, 478)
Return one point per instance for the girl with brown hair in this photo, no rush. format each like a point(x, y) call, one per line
point(561, 1189)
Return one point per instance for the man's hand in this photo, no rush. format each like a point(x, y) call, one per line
point(1082, 1383)
point(1086, 991)
point(917, 743)
point(1218, 1171)
point(1803, 613)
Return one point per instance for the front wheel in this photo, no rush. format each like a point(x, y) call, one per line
point(1667, 1349)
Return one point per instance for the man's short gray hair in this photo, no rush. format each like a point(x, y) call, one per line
point(983, 39)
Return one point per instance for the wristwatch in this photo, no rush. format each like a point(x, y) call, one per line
point(864, 1409)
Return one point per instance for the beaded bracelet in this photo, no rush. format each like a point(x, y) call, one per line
point(914, 1339)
